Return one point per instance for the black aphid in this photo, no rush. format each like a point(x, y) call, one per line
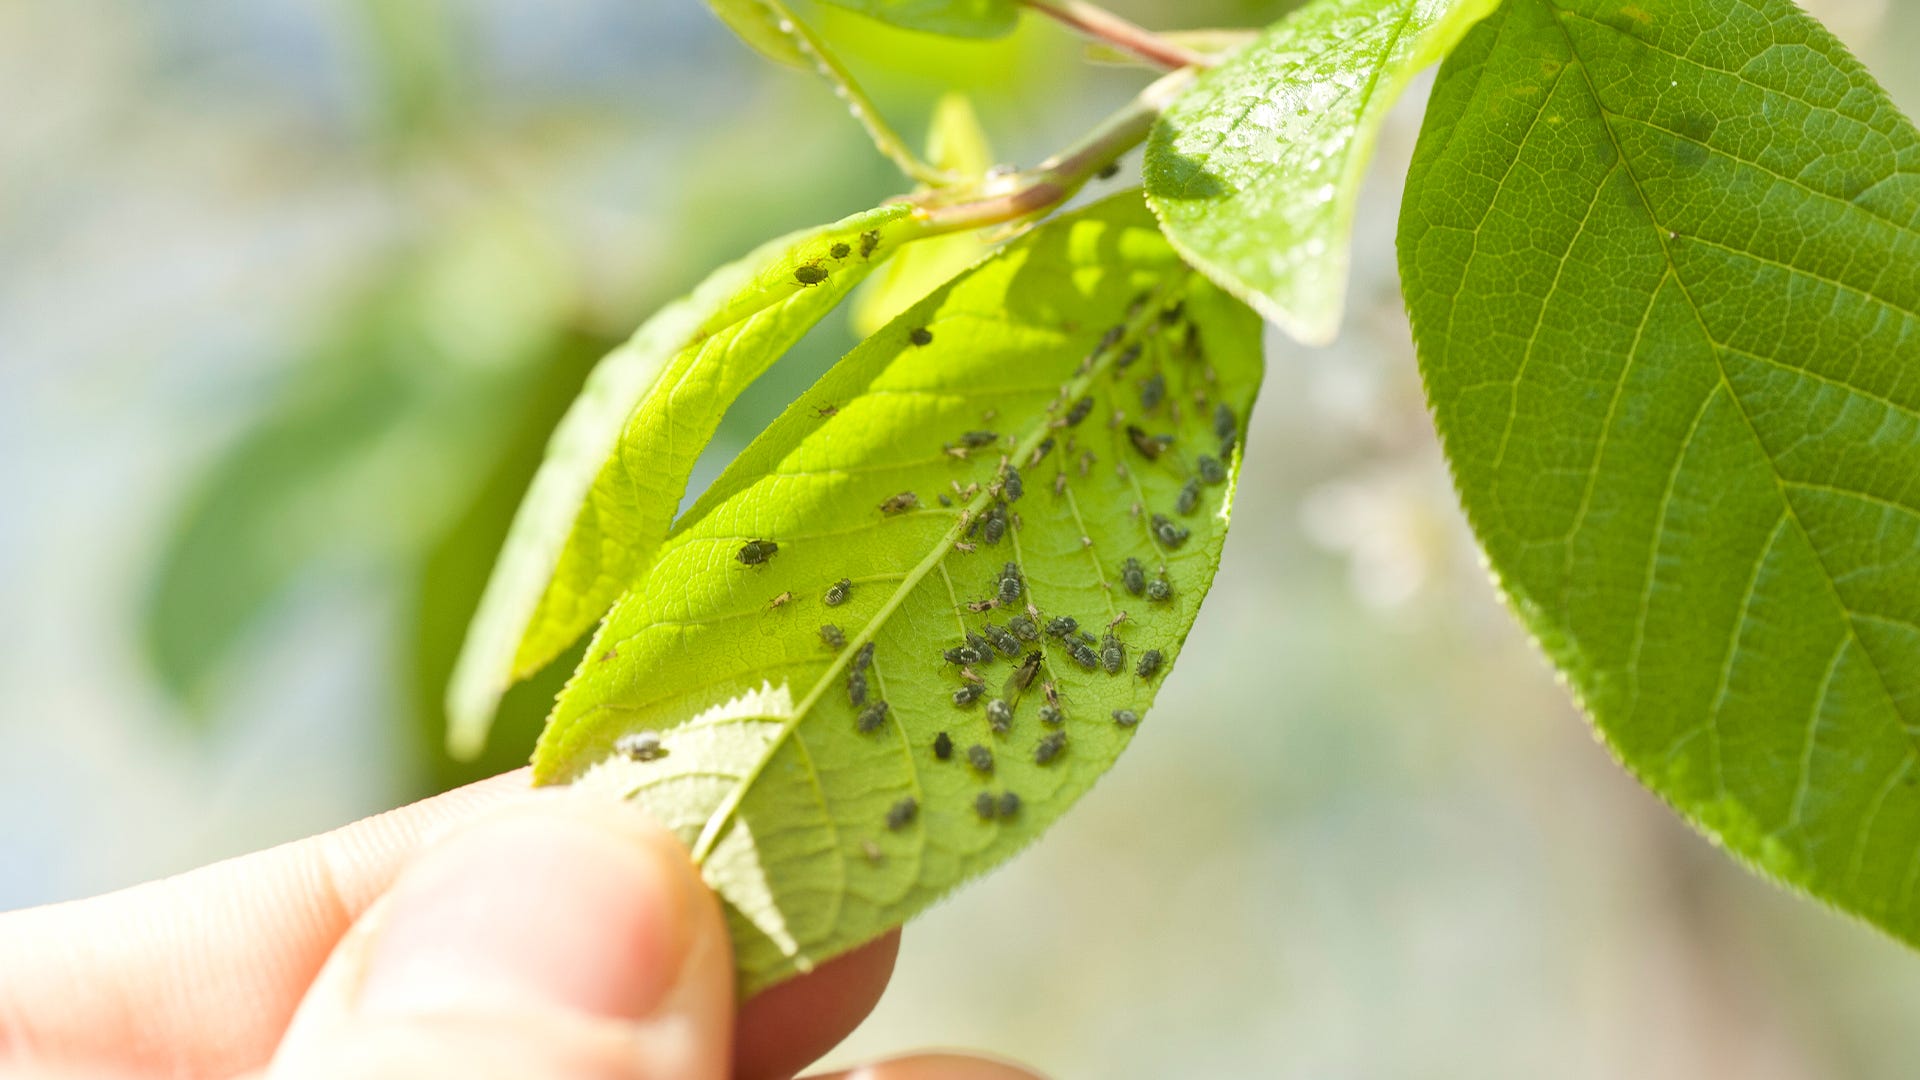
point(964, 654)
point(900, 504)
point(944, 501)
point(1211, 470)
point(1087, 637)
point(1125, 717)
point(1113, 654)
point(840, 251)
point(1149, 665)
point(1008, 645)
point(920, 335)
point(1039, 452)
point(1111, 338)
point(968, 694)
point(1170, 535)
point(1127, 358)
point(1150, 446)
point(942, 746)
point(981, 647)
point(980, 758)
point(1049, 747)
point(1133, 577)
point(838, 592)
point(1082, 654)
point(999, 716)
point(974, 440)
point(755, 552)
point(1011, 584)
point(810, 274)
point(872, 717)
point(1224, 425)
point(1173, 312)
point(1159, 590)
point(868, 241)
point(1022, 628)
point(1024, 674)
point(1153, 391)
point(1009, 804)
point(856, 688)
point(986, 806)
point(1108, 171)
point(996, 524)
point(640, 746)
point(864, 657)
point(1062, 625)
point(1013, 485)
point(901, 814)
point(1189, 500)
point(1051, 715)
point(832, 637)
point(1079, 411)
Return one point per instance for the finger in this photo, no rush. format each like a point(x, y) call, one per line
point(936, 1067)
point(562, 938)
point(791, 1025)
point(198, 974)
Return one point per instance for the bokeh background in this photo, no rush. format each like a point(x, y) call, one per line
point(290, 291)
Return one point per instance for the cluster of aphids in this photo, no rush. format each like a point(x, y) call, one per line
point(816, 271)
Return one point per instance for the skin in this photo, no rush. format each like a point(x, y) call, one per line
point(491, 932)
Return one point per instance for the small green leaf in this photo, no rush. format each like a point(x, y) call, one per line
point(1663, 264)
point(767, 26)
point(957, 144)
point(767, 773)
point(955, 18)
point(618, 464)
point(1256, 171)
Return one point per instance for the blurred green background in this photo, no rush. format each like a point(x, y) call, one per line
point(290, 292)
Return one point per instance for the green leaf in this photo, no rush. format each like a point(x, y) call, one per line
point(767, 775)
point(618, 464)
point(1256, 171)
point(956, 143)
point(767, 26)
point(955, 18)
point(1663, 264)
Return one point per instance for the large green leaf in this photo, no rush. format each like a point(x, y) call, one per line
point(1256, 171)
point(1663, 265)
point(618, 464)
point(956, 18)
point(768, 775)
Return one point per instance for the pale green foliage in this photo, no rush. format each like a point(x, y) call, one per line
point(1663, 264)
point(767, 26)
point(1255, 172)
point(956, 144)
point(767, 775)
point(958, 18)
point(618, 463)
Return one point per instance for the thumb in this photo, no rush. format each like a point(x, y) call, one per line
point(562, 937)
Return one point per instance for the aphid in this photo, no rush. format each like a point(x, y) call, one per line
point(945, 500)
point(872, 852)
point(868, 241)
point(1159, 590)
point(974, 440)
point(1008, 645)
point(1087, 637)
point(1022, 627)
point(1108, 171)
point(995, 525)
point(1127, 358)
point(826, 412)
point(1189, 499)
point(971, 675)
point(1153, 391)
point(1211, 470)
point(961, 654)
point(840, 251)
point(1052, 692)
point(999, 716)
point(958, 453)
point(1086, 462)
point(986, 806)
point(1111, 338)
point(1059, 483)
point(1062, 625)
point(864, 657)
point(1170, 535)
point(1051, 716)
point(1116, 620)
point(1150, 446)
point(781, 600)
point(942, 747)
point(856, 688)
point(640, 746)
point(810, 274)
point(920, 335)
point(1049, 747)
point(981, 647)
point(1082, 654)
point(1126, 717)
point(756, 552)
point(1171, 314)
point(1113, 654)
point(978, 606)
point(968, 694)
point(901, 503)
point(967, 492)
point(1224, 425)
point(1039, 452)
point(1227, 445)
point(1013, 485)
point(1024, 674)
point(1009, 804)
point(980, 758)
point(608, 655)
point(833, 637)
point(1149, 664)
point(1011, 583)
point(1133, 577)
point(963, 547)
point(838, 592)
point(1079, 411)
point(901, 814)
point(872, 717)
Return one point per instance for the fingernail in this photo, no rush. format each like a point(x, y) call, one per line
point(551, 906)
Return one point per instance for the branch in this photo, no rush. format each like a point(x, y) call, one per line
point(1103, 25)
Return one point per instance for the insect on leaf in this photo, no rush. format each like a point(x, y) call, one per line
point(955, 18)
point(788, 763)
point(618, 464)
point(1663, 265)
point(767, 26)
point(1255, 172)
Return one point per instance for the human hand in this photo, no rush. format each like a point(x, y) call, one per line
point(488, 932)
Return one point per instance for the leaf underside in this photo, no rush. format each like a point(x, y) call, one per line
point(1255, 172)
point(955, 18)
point(768, 775)
point(617, 466)
point(1663, 265)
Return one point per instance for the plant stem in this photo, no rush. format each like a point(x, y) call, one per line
point(1103, 25)
point(1055, 180)
point(885, 139)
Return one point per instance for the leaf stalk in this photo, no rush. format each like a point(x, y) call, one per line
point(1102, 25)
